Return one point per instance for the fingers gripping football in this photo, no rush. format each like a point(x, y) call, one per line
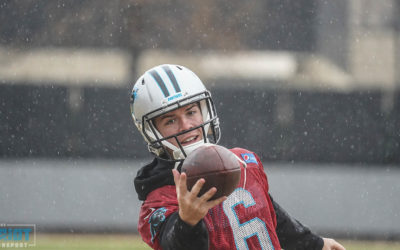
point(191, 207)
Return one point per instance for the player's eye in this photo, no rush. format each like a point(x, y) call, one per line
point(169, 122)
point(191, 112)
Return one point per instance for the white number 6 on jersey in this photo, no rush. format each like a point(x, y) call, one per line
point(245, 230)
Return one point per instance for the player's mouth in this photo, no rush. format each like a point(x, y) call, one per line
point(189, 140)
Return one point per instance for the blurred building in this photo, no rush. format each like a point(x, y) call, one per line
point(319, 77)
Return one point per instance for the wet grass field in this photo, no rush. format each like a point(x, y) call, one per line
point(133, 242)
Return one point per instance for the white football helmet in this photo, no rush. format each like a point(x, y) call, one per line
point(162, 89)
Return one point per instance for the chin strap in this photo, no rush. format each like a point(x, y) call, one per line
point(178, 154)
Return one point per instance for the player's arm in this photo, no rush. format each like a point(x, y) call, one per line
point(292, 234)
point(185, 229)
point(176, 234)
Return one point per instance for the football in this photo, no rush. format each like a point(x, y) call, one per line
point(217, 165)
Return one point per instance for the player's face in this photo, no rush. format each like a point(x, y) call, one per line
point(180, 120)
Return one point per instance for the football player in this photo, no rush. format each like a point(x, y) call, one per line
point(175, 114)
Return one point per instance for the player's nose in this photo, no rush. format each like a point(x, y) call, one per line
point(185, 124)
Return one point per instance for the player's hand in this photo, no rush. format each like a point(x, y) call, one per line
point(192, 208)
point(331, 244)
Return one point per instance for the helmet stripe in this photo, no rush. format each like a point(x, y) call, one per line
point(160, 82)
point(172, 78)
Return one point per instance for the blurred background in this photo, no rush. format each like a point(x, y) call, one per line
point(311, 86)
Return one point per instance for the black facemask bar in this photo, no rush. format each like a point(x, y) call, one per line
point(213, 123)
point(158, 143)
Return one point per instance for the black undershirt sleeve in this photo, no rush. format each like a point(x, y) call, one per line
point(177, 235)
point(292, 234)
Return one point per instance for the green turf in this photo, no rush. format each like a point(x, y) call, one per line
point(133, 242)
point(86, 242)
point(370, 245)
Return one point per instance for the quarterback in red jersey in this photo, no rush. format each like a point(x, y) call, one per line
point(175, 114)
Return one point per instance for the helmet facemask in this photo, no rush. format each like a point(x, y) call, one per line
point(159, 145)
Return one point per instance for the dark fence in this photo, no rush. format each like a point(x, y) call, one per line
point(279, 125)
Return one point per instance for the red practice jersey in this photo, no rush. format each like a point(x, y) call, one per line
point(246, 220)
